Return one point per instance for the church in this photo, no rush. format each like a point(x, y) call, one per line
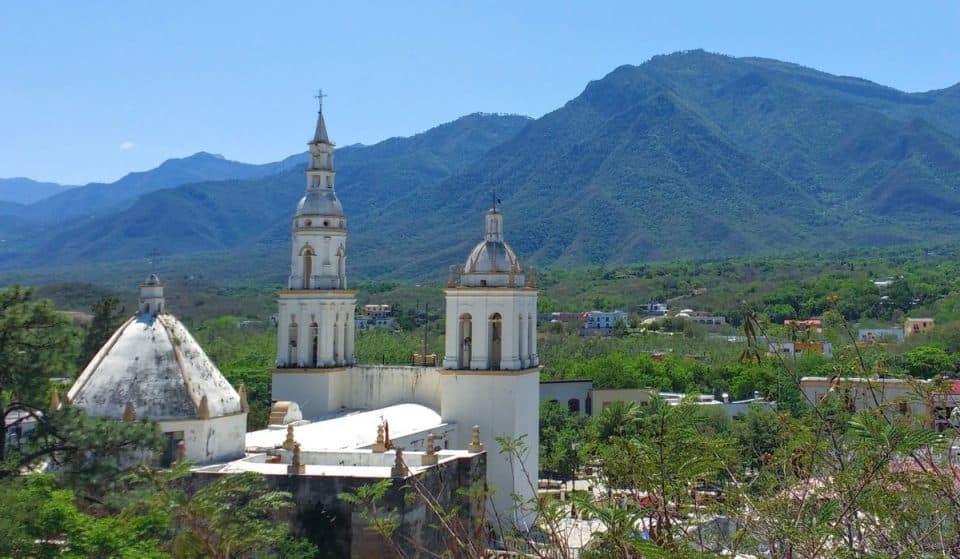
point(490, 372)
point(337, 424)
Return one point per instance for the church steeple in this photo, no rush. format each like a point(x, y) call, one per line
point(315, 328)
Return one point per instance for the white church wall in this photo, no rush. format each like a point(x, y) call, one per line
point(377, 386)
point(502, 404)
point(314, 390)
point(211, 440)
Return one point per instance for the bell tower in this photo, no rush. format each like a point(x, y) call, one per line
point(491, 373)
point(315, 328)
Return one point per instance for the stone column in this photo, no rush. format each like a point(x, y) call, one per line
point(304, 344)
point(283, 335)
point(532, 340)
point(480, 346)
point(509, 350)
point(522, 335)
point(350, 333)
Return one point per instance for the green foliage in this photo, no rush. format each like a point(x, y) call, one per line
point(561, 434)
point(107, 315)
point(927, 360)
point(232, 516)
point(39, 520)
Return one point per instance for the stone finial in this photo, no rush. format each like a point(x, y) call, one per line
point(181, 451)
point(399, 469)
point(429, 458)
point(296, 466)
point(531, 277)
point(452, 276)
point(512, 276)
point(386, 434)
point(129, 412)
point(54, 400)
point(379, 446)
point(203, 410)
point(289, 442)
point(244, 406)
point(475, 444)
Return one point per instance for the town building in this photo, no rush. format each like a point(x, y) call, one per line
point(602, 323)
point(913, 326)
point(799, 348)
point(376, 316)
point(876, 335)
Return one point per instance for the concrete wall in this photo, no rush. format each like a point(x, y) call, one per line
point(340, 530)
point(377, 386)
point(603, 397)
point(565, 391)
point(211, 440)
point(502, 403)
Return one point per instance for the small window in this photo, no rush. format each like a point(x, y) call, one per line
point(573, 404)
point(902, 408)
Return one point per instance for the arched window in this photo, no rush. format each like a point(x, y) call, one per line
point(496, 338)
point(314, 344)
point(573, 404)
point(292, 346)
point(465, 335)
point(307, 254)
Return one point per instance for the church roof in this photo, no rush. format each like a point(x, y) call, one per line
point(320, 134)
point(320, 202)
point(491, 257)
point(154, 363)
point(351, 430)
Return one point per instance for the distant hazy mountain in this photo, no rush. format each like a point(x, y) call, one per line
point(228, 214)
point(689, 155)
point(22, 190)
point(99, 198)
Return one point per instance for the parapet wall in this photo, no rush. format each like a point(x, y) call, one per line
point(378, 386)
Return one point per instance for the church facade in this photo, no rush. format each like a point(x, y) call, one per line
point(490, 372)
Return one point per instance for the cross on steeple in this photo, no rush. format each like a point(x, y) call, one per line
point(495, 200)
point(319, 97)
point(154, 260)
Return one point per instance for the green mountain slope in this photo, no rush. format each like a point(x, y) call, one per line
point(689, 155)
point(229, 214)
point(697, 155)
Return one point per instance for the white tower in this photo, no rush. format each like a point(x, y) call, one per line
point(490, 373)
point(315, 330)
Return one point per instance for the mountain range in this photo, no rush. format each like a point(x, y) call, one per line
point(689, 155)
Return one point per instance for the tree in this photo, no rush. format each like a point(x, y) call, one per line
point(560, 437)
point(927, 360)
point(36, 344)
point(107, 313)
point(38, 519)
point(235, 516)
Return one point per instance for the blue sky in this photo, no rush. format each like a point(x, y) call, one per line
point(92, 90)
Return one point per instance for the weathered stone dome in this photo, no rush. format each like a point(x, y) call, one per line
point(154, 363)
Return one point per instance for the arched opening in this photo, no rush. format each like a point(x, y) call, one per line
point(532, 339)
point(292, 346)
point(307, 254)
point(496, 337)
point(315, 344)
point(465, 335)
point(573, 404)
point(522, 341)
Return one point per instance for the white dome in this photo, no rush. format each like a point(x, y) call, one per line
point(153, 362)
point(315, 202)
point(491, 257)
